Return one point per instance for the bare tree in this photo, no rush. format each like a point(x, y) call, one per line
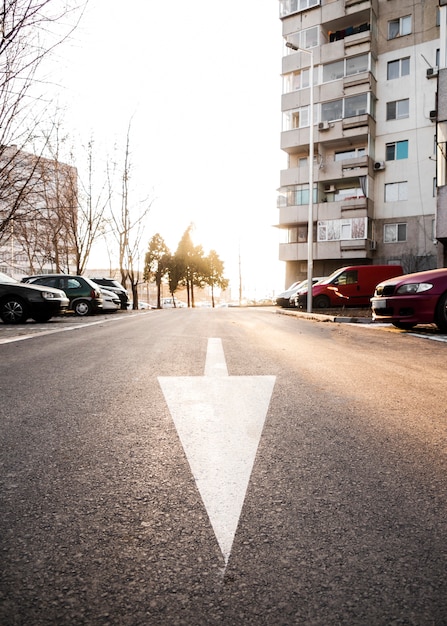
point(29, 31)
point(94, 199)
point(128, 225)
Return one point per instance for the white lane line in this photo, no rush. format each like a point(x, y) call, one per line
point(61, 329)
point(219, 420)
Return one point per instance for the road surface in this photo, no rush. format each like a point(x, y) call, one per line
point(220, 467)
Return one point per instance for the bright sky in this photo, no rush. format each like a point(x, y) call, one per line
point(201, 83)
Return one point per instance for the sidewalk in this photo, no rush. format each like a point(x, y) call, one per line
point(351, 316)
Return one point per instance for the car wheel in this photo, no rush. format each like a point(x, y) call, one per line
point(404, 325)
point(82, 307)
point(13, 310)
point(441, 314)
point(321, 302)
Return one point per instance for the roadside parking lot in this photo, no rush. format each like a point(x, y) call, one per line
point(66, 322)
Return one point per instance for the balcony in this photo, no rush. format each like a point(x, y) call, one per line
point(324, 250)
point(293, 141)
point(357, 83)
point(345, 209)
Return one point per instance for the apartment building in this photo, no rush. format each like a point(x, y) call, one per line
point(374, 87)
point(38, 213)
point(441, 141)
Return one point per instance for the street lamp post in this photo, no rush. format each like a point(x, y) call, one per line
point(310, 216)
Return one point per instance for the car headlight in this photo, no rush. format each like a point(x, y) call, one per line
point(48, 295)
point(414, 288)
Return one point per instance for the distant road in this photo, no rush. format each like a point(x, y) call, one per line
point(222, 467)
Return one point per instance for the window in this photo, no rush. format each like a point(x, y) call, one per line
point(399, 27)
point(396, 151)
point(72, 283)
point(345, 67)
point(310, 37)
point(333, 71)
point(349, 277)
point(356, 105)
point(332, 110)
point(399, 68)
point(348, 107)
point(348, 193)
point(398, 109)
point(349, 154)
point(292, 235)
point(302, 234)
point(296, 80)
point(299, 195)
point(334, 230)
point(286, 7)
point(355, 65)
point(297, 118)
point(393, 233)
point(396, 192)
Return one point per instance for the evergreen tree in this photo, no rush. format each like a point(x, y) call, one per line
point(156, 263)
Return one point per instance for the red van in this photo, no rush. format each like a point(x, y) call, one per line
point(350, 286)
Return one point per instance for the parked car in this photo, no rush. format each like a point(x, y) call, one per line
point(170, 303)
point(349, 286)
point(286, 299)
point(113, 285)
point(110, 300)
point(84, 296)
point(302, 288)
point(283, 298)
point(18, 302)
point(419, 298)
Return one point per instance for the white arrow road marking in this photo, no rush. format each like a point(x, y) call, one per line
point(219, 419)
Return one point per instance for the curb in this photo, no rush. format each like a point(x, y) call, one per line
point(320, 317)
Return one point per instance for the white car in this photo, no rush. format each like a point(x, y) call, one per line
point(170, 303)
point(110, 300)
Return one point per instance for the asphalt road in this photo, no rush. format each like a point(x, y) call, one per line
point(106, 518)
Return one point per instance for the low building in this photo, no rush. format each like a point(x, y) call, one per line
point(38, 213)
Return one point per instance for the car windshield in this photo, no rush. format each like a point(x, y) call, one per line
point(329, 279)
point(4, 278)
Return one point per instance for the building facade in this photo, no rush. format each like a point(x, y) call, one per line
point(38, 213)
point(375, 92)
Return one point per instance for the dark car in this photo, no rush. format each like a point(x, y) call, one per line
point(84, 296)
point(288, 298)
point(113, 285)
point(419, 298)
point(283, 298)
point(18, 302)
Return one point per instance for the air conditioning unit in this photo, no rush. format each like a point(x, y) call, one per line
point(433, 116)
point(323, 126)
point(432, 72)
point(329, 188)
point(379, 165)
